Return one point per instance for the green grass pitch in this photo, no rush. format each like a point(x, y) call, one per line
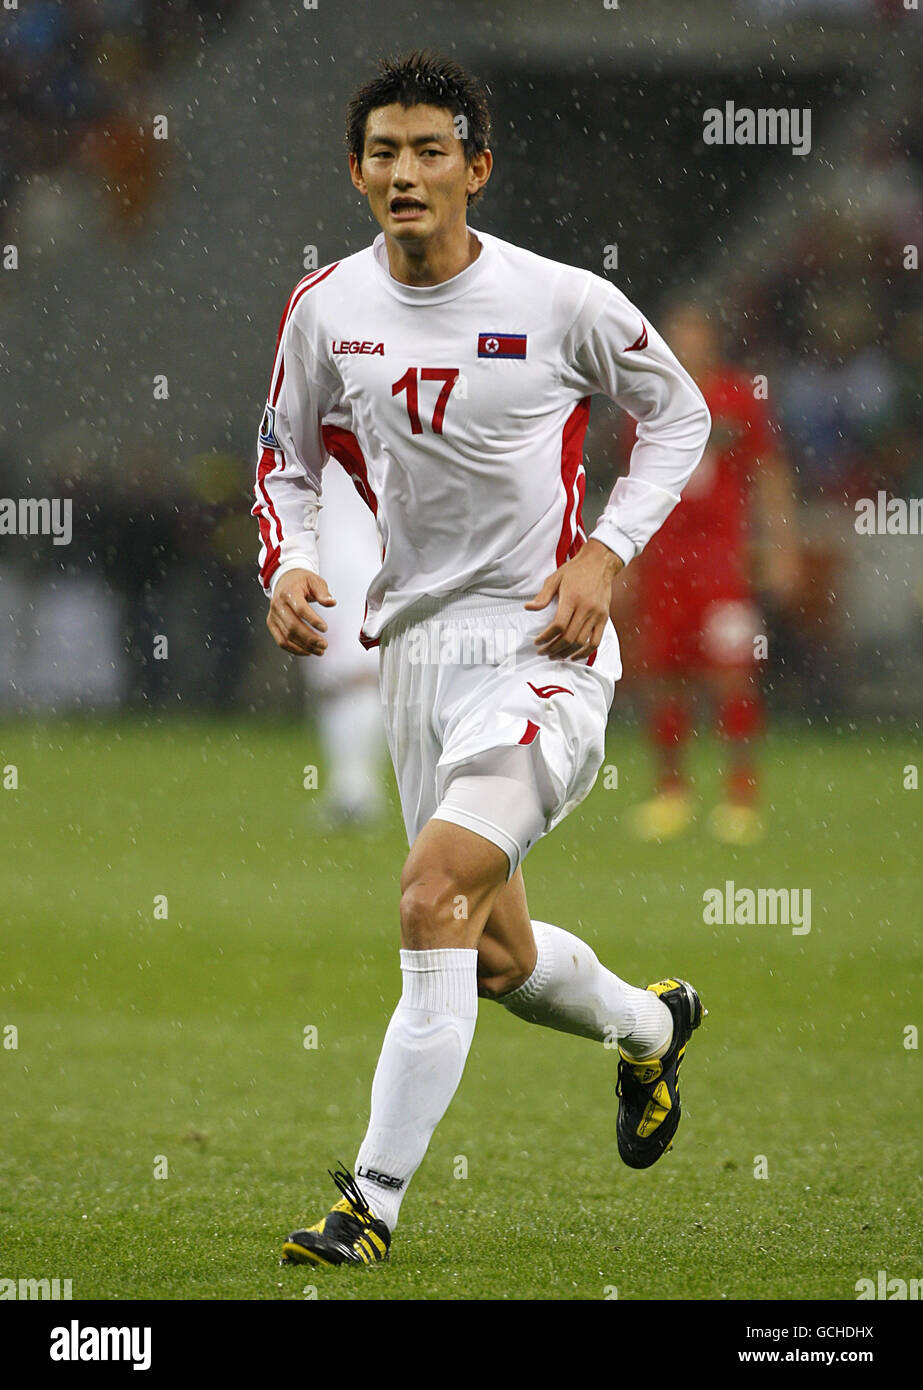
point(143, 1038)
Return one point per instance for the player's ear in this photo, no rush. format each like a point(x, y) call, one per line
point(479, 171)
point(355, 173)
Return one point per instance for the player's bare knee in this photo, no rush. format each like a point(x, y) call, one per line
point(433, 914)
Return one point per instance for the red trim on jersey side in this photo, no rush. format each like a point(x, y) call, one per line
point(531, 731)
point(574, 480)
point(346, 449)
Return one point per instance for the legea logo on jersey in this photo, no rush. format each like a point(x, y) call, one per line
point(502, 345)
point(346, 346)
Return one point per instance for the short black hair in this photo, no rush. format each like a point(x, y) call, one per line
point(422, 78)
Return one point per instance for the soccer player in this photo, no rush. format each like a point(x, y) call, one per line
point(450, 373)
point(697, 617)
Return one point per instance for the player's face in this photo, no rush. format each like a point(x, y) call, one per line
point(413, 171)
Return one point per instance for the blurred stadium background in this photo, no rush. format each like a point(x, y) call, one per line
point(140, 257)
point(144, 1035)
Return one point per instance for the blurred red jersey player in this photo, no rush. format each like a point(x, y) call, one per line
point(698, 625)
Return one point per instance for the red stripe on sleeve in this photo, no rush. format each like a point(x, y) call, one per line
point(268, 461)
point(271, 560)
point(296, 296)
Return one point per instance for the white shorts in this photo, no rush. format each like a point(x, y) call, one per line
point(467, 697)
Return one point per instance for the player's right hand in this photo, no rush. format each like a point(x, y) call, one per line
point(294, 624)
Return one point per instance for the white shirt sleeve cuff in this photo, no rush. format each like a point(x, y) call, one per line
point(609, 535)
point(294, 562)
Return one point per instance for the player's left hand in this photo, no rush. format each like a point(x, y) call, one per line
point(583, 587)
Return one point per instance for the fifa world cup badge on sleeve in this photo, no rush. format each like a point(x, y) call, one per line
point(268, 428)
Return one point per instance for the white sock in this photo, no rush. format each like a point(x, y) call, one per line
point(353, 736)
point(421, 1063)
point(571, 991)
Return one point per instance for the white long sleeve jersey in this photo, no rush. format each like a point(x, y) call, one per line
point(459, 410)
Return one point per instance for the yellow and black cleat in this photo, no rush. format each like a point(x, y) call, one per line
point(348, 1234)
point(648, 1092)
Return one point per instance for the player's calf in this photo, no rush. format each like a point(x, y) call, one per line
point(507, 950)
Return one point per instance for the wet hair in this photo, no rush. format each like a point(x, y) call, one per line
point(422, 78)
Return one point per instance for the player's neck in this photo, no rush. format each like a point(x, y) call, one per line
point(434, 261)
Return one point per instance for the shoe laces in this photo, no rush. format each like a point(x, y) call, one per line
point(352, 1192)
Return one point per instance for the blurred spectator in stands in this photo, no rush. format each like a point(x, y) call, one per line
point(832, 317)
point(72, 78)
point(122, 149)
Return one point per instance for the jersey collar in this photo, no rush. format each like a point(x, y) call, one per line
point(430, 294)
